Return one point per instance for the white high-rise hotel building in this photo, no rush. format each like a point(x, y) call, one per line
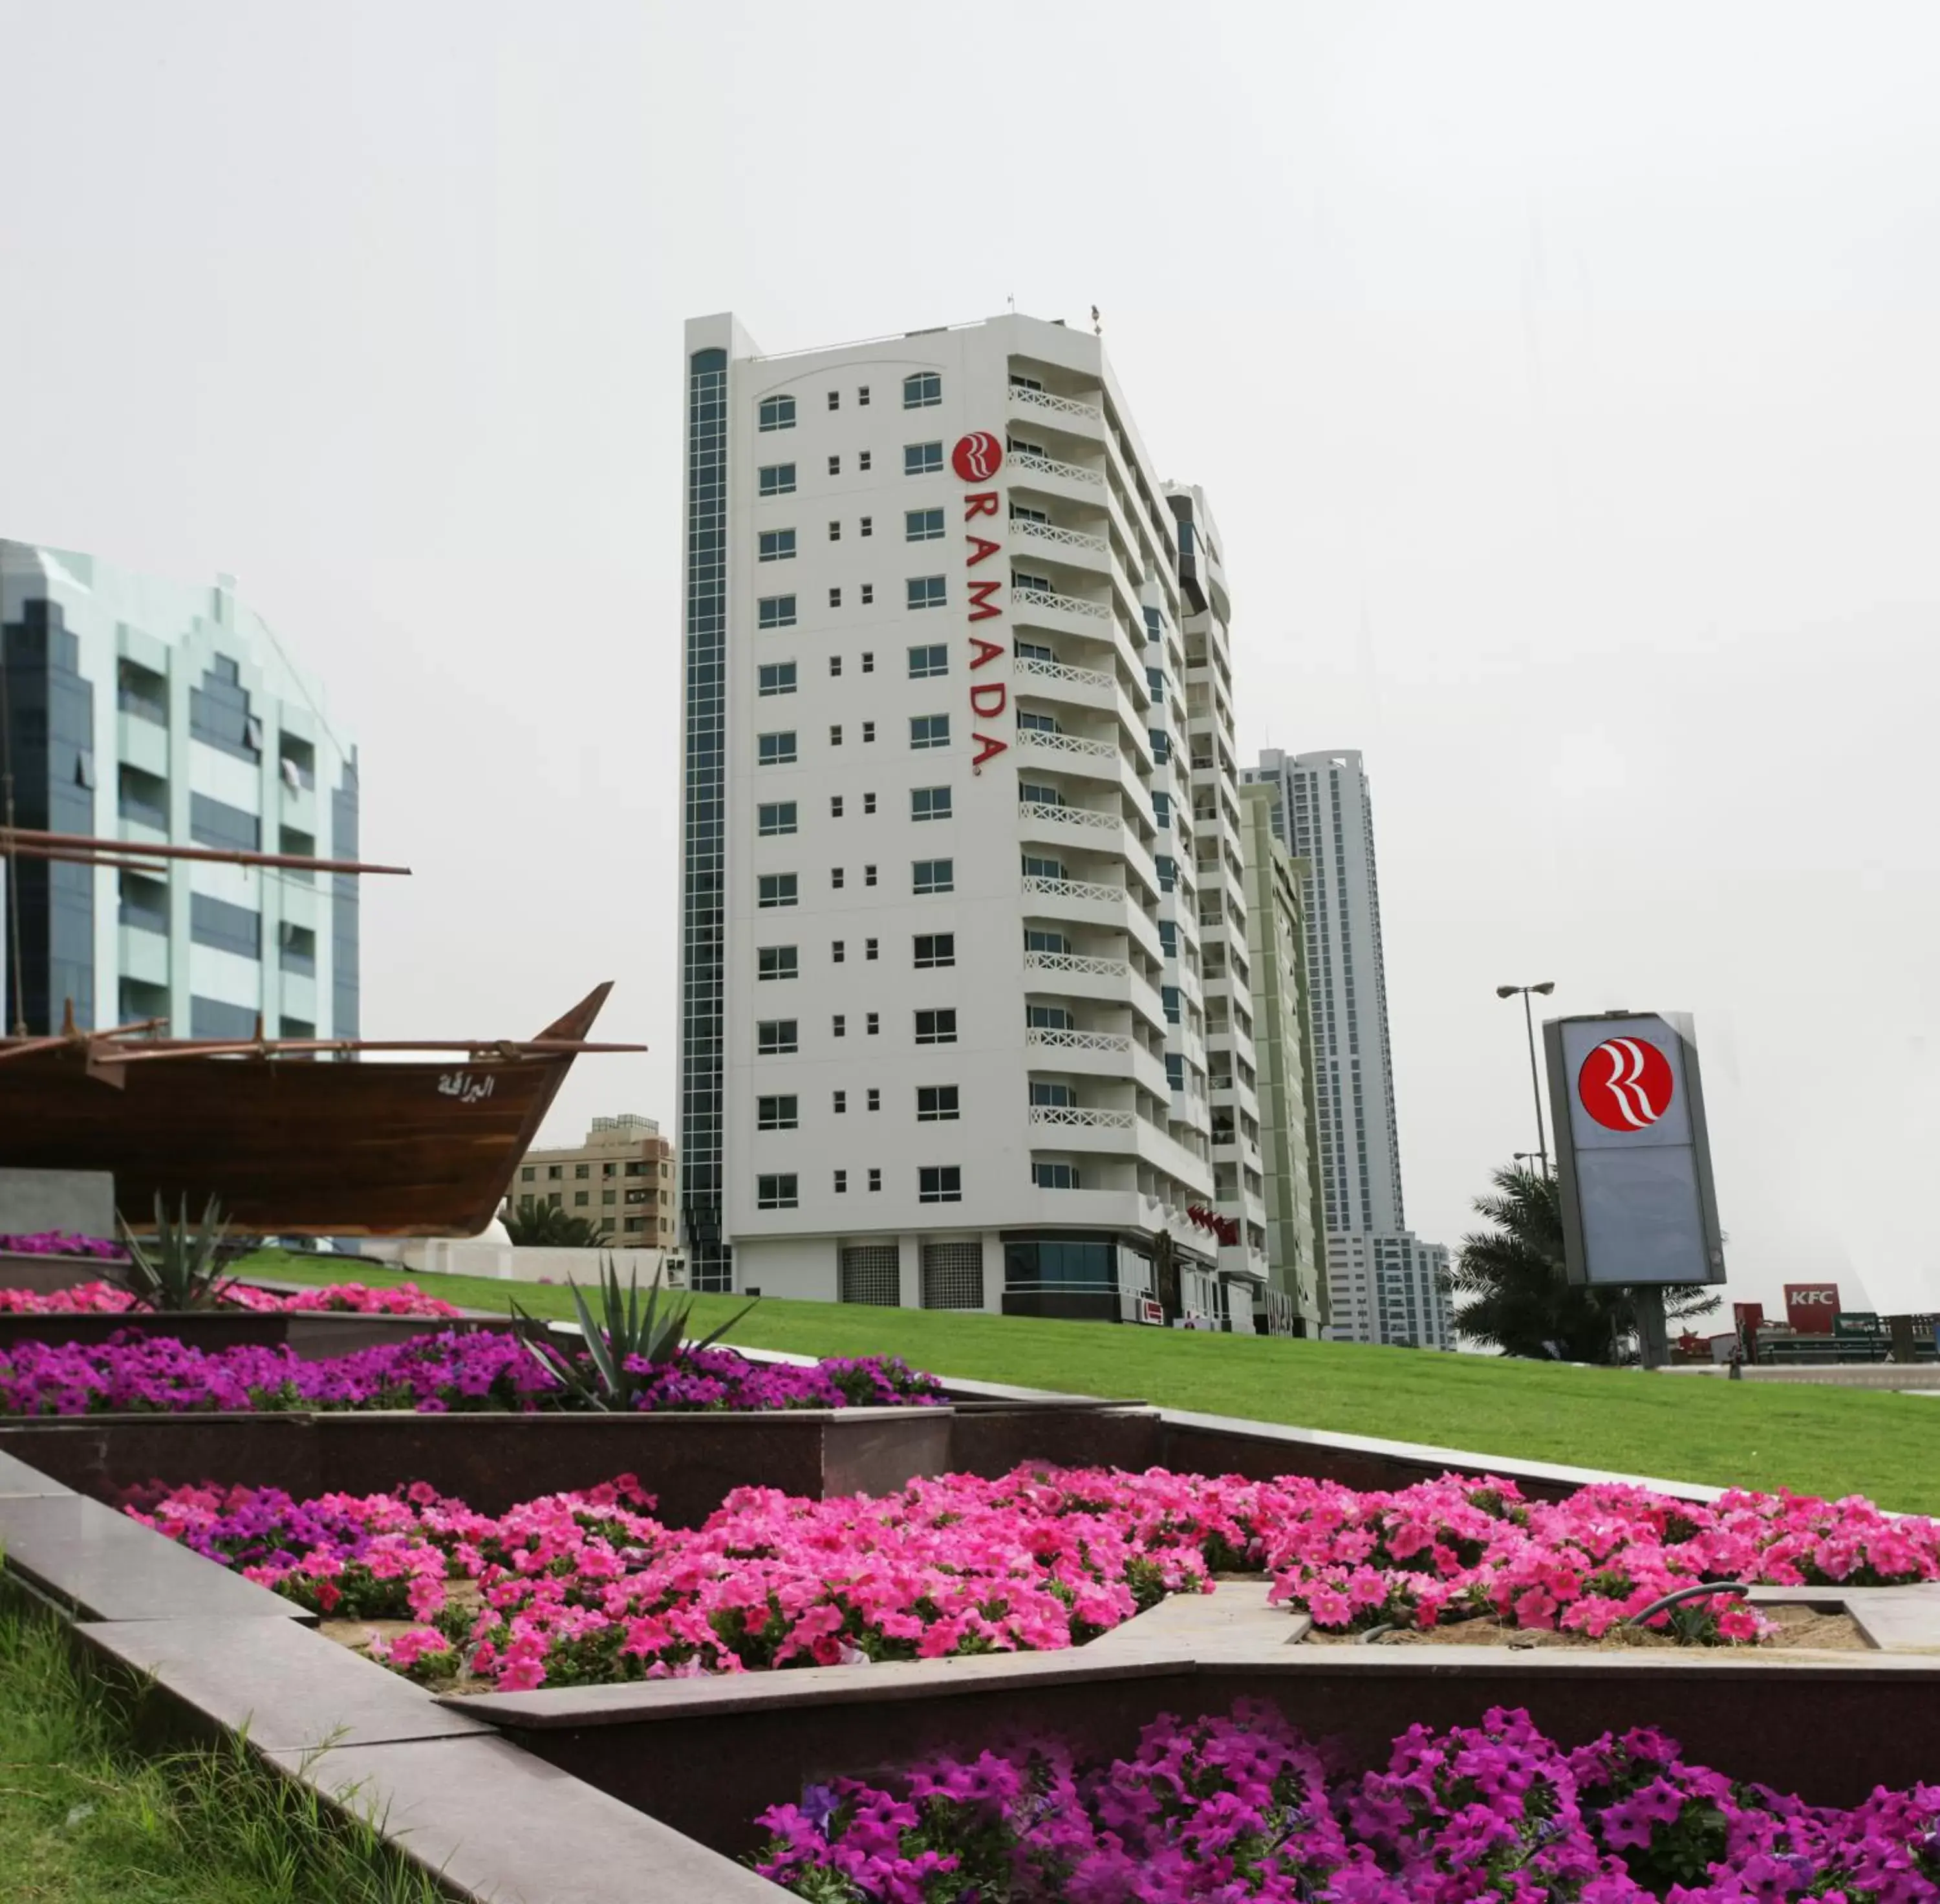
point(961, 820)
point(1384, 1282)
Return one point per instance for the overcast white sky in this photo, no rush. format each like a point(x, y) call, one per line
point(1562, 376)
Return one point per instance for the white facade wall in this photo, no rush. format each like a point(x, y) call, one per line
point(1069, 613)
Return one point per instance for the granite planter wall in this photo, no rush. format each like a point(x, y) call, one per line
point(43, 1274)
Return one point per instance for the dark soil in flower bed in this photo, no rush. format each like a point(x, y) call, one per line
point(1799, 1628)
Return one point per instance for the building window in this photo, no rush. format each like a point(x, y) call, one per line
point(1055, 1176)
point(935, 1103)
point(775, 889)
point(527, 1175)
point(777, 961)
point(835, 661)
point(1039, 793)
point(837, 951)
point(835, 532)
point(926, 592)
point(776, 1037)
point(774, 678)
point(841, 1182)
point(776, 1192)
point(838, 1101)
point(869, 948)
point(774, 817)
point(835, 878)
point(929, 803)
point(868, 662)
point(835, 805)
point(922, 525)
point(937, 1027)
point(862, 397)
point(862, 462)
point(1048, 1018)
point(875, 1180)
point(868, 593)
point(1030, 723)
point(1036, 939)
point(934, 949)
point(1037, 867)
point(835, 399)
point(923, 391)
point(582, 1197)
point(872, 1025)
point(776, 545)
point(839, 1025)
point(835, 466)
point(775, 1114)
point(1054, 1097)
point(835, 601)
point(778, 479)
point(777, 414)
point(868, 803)
point(835, 734)
point(868, 732)
point(875, 1099)
point(928, 661)
point(939, 1183)
point(922, 459)
point(1169, 994)
point(930, 877)
point(929, 730)
point(775, 749)
point(866, 527)
point(775, 611)
point(868, 875)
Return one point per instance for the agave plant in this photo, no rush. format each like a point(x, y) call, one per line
point(628, 1332)
point(183, 1268)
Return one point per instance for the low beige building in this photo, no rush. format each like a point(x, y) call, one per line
point(621, 1177)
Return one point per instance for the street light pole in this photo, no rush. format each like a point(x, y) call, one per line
point(1548, 986)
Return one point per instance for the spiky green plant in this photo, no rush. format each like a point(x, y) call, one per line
point(626, 1332)
point(182, 1268)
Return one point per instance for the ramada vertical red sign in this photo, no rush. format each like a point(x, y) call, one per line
point(976, 458)
point(1811, 1307)
point(1625, 1084)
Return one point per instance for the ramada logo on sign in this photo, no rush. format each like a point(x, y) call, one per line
point(976, 458)
point(1625, 1084)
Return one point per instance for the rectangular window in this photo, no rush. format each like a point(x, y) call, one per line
point(868, 593)
point(775, 1192)
point(1055, 1176)
point(1032, 651)
point(868, 732)
point(835, 877)
point(775, 889)
point(1037, 867)
point(1058, 1096)
point(835, 601)
point(929, 877)
point(868, 875)
point(776, 1114)
point(775, 611)
point(835, 661)
point(868, 526)
point(875, 1099)
point(862, 462)
point(934, 949)
point(1169, 994)
point(928, 661)
point(1036, 939)
point(838, 1026)
point(838, 1101)
point(835, 734)
point(929, 730)
point(862, 397)
point(775, 749)
point(835, 399)
point(835, 805)
point(1049, 1017)
point(835, 466)
point(929, 803)
point(938, 1027)
point(777, 414)
point(872, 1025)
point(777, 961)
point(776, 1037)
point(926, 592)
point(922, 525)
point(875, 1180)
point(1175, 1071)
point(939, 1183)
point(836, 951)
point(923, 391)
point(935, 1103)
point(841, 1178)
point(778, 479)
point(1031, 723)
point(922, 459)
point(774, 678)
point(869, 948)
point(835, 532)
point(868, 662)
point(776, 545)
point(1039, 793)
point(868, 803)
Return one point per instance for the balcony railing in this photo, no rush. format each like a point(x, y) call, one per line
point(1081, 1117)
point(1070, 472)
point(1043, 1040)
point(1060, 406)
point(1088, 891)
point(1067, 743)
point(1032, 668)
point(1076, 965)
point(1039, 812)
point(1038, 598)
point(1051, 531)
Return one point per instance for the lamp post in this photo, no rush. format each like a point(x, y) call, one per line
point(1548, 986)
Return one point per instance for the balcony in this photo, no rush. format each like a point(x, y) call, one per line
point(1055, 543)
point(1072, 753)
point(1080, 1128)
point(1091, 688)
point(1058, 413)
point(1057, 614)
point(1039, 820)
point(1069, 479)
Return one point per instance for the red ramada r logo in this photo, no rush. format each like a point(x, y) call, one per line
point(1625, 1084)
point(976, 456)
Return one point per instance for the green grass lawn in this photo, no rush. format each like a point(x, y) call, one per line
point(1821, 1440)
point(84, 1819)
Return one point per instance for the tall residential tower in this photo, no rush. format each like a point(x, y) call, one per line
point(953, 656)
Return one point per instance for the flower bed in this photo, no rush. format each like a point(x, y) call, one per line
point(481, 1370)
point(62, 1243)
point(335, 1298)
point(1243, 1807)
point(576, 1589)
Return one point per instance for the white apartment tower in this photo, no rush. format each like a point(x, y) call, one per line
point(944, 1036)
point(1381, 1278)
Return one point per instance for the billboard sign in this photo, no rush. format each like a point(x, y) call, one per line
point(1634, 1157)
point(1812, 1308)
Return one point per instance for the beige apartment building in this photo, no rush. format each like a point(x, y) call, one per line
point(621, 1177)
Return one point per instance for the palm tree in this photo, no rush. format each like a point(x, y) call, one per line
point(1520, 1303)
point(535, 1224)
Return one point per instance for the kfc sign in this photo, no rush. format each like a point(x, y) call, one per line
point(976, 458)
point(1810, 1307)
